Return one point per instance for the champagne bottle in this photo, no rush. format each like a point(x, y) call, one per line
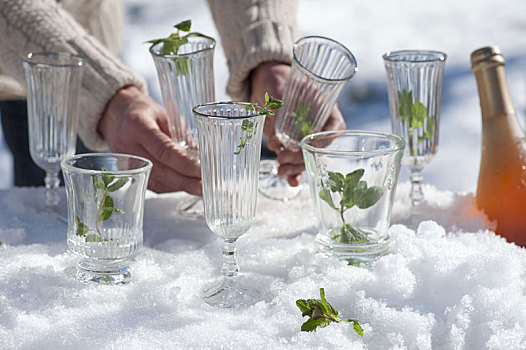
point(501, 190)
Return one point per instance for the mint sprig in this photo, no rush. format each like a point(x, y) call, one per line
point(413, 114)
point(174, 41)
point(106, 184)
point(353, 192)
point(300, 114)
point(321, 314)
point(247, 127)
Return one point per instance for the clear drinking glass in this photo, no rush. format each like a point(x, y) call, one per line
point(105, 193)
point(415, 91)
point(320, 69)
point(352, 178)
point(230, 146)
point(53, 81)
point(186, 80)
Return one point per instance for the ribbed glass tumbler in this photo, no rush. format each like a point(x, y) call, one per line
point(105, 194)
point(186, 80)
point(352, 177)
point(230, 146)
point(320, 69)
point(53, 81)
point(415, 91)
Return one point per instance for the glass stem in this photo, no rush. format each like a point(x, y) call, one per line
point(417, 194)
point(230, 266)
point(52, 183)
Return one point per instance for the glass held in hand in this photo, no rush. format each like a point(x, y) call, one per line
point(229, 146)
point(320, 69)
point(53, 82)
point(105, 193)
point(186, 79)
point(415, 91)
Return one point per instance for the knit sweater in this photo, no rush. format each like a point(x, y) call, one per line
point(252, 32)
point(44, 25)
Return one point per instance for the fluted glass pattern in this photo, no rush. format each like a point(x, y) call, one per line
point(105, 193)
point(53, 83)
point(186, 80)
point(229, 179)
point(415, 90)
point(229, 148)
point(320, 69)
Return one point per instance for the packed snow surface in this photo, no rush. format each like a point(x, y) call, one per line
point(447, 284)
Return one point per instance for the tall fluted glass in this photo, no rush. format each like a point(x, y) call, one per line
point(186, 80)
point(319, 71)
point(230, 146)
point(53, 81)
point(415, 91)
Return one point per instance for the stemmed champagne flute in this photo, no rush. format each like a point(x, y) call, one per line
point(320, 69)
point(230, 146)
point(415, 90)
point(186, 80)
point(53, 81)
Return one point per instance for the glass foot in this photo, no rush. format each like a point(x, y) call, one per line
point(274, 187)
point(191, 208)
point(230, 295)
point(108, 274)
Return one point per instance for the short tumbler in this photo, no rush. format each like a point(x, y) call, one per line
point(105, 193)
point(352, 178)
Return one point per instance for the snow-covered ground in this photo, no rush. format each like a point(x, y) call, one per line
point(369, 29)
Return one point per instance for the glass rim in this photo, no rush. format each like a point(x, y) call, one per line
point(32, 59)
point(211, 46)
point(434, 56)
point(399, 143)
point(345, 49)
point(203, 115)
point(65, 164)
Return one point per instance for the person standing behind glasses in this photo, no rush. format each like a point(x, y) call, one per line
point(115, 110)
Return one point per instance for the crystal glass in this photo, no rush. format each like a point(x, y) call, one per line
point(352, 178)
point(415, 91)
point(320, 69)
point(186, 80)
point(105, 193)
point(230, 146)
point(53, 82)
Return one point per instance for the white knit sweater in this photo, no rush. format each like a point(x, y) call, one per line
point(252, 32)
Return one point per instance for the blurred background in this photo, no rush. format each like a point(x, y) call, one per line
point(369, 29)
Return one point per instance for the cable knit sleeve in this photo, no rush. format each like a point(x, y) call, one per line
point(29, 25)
point(253, 32)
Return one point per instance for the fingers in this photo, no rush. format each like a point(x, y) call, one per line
point(164, 179)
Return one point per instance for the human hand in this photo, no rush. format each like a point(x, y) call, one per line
point(272, 77)
point(133, 123)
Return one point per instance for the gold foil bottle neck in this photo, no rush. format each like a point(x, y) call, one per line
point(486, 57)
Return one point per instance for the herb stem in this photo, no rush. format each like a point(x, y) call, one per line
point(99, 211)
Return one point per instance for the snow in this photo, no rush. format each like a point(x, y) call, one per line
point(448, 283)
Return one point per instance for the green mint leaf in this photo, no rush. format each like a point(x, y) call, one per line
point(82, 229)
point(419, 112)
point(267, 98)
point(107, 179)
point(355, 176)
point(326, 196)
point(266, 112)
point(356, 326)
point(184, 25)
point(369, 197)
point(107, 209)
point(275, 104)
point(93, 238)
point(118, 184)
point(405, 101)
point(311, 324)
point(335, 181)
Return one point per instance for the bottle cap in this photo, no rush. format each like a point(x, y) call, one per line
point(486, 56)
